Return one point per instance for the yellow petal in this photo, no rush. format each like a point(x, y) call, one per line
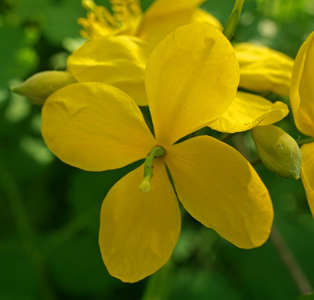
point(95, 127)
point(302, 89)
point(263, 69)
point(220, 189)
point(307, 174)
point(136, 89)
point(248, 111)
point(164, 16)
point(191, 79)
point(138, 231)
point(116, 60)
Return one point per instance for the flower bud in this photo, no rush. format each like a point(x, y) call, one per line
point(278, 151)
point(38, 87)
point(88, 4)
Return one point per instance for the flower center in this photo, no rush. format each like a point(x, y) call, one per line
point(148, 167)
point(124, 19)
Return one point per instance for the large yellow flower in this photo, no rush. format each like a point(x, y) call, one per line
point(191, 80)
point(302, 104)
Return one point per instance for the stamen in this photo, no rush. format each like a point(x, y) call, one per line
point(148, 167)
point(128, 13)
point(125, 18)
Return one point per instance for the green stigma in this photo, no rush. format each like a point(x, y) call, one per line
point(148, 168)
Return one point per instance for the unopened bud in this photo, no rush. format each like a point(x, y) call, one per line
point(88, 4)
point(278, 151)
point(40, 86)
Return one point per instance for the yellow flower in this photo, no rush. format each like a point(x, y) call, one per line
point(302, 104)
point(122, 42)
point(191, 80)
point(263, 69)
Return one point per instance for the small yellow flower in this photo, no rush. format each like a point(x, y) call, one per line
point(263, 69)
point(191, 80)
point(302, 104)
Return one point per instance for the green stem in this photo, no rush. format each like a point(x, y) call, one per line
point(290, 262)
point(24, 228)
point(305, 141)
point(158, 285)
point(233, 20)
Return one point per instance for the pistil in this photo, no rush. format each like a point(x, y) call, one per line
point(148, 167)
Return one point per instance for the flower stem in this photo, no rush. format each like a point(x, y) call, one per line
point(158, 285)
point(25, 231)
point(233, 20)
point(305, 141)
point(290, 262)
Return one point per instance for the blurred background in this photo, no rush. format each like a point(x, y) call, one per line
point(49, 211)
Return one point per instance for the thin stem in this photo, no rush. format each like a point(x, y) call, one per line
point(305, 141)
point(233, 20)
point(19, 212)
point(290, 262)
point(24, 228)
point(158, 285)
